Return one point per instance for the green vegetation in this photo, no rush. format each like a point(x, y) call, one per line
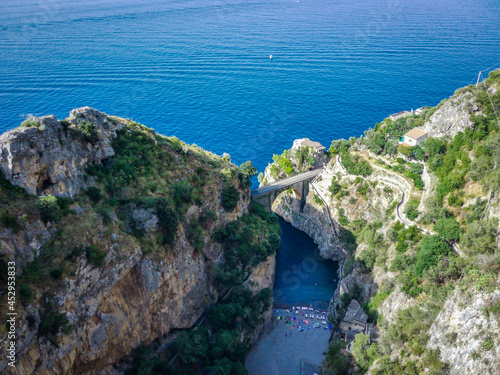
point(411, 211)
point(30, 122)
point(48, 207)
point(480, 237)
point(383, 139)
point(448, 228)
point(356, 165)
point(282, 163)
point(363, 352)
point(230, 198)
point(247, 171)
point(154, 176)
point(335, 187)
point(94, 194)
point(250, 239)
point(52, 323)
point(335, 363)
point(376, 253)
point(318, 200)
point(10, 221)
point(426, 266)
point(195, 234)
point(291, 162)
point(95, 256)
point(88, 130)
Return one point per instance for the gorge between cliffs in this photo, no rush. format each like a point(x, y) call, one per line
point(136, 253)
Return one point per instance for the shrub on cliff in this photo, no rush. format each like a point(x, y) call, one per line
point(356, 165)
point(88, 130)
point(30, 122)
point(95, 256)
point(52, 322)
point(336, 363)
point(411, 211)
point(480, 237)
point(195, 235)
point(363, 352)
point(230, 198)
point(405, 150)
point(284, 163)
point(247, 171)
point(94, 194)
point(47, 205)
point(167, 219)
point(432, 248)
point(182, 193)
point(335, 187)
point(11, 221)
point(434, 146)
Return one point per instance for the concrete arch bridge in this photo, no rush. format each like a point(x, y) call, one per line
point(299, 184)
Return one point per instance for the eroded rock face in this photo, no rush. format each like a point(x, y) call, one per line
point(24, 246)
point(452, 116)
point(466, 335)
point(116, 307)
point(50, 158)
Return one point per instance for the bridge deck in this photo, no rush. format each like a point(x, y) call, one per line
point(287, 182)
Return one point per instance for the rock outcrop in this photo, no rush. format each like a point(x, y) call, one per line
point(50, 157)
point(467, 335)
point(300, 158)
point(451, 116)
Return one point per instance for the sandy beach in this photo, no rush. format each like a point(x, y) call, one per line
point(287, 349)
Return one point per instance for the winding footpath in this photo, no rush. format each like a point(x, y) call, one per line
point(398, 183)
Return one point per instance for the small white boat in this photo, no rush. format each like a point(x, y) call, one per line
point(271, 57)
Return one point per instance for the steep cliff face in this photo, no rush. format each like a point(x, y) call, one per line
point(121, 263)
point(466, 333)
point(452, 116)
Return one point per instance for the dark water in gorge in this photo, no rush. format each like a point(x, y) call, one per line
point(302, 276)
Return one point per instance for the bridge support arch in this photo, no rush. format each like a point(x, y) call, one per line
point(299, 189)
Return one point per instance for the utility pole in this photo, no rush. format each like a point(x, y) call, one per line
point(478, 78)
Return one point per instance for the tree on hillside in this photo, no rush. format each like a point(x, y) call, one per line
point(248, 168)
point(434, 146)
point(405, 150)
point(448, 228)
point(480, 237)
point(363, 353)
point(432, 248)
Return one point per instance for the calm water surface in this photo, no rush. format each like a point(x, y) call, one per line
point(200, 69)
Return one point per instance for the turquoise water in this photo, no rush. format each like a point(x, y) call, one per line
point(200, 69)
point(302, 276)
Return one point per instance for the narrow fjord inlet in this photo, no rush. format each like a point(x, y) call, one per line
point(303, 277)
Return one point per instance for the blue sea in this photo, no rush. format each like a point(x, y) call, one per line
point(200, 69)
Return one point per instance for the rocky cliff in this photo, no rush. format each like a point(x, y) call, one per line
point(50, 156)
point(117, 249)
point(452, 115)
point(391, 211)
